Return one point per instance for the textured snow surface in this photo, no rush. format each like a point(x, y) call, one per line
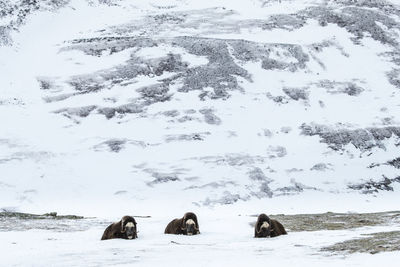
point(197, 104)
point(226, 241)
point(222, 107)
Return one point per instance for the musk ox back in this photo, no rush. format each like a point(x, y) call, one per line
point(188, 225)
point(125, 229)
point(266, 227)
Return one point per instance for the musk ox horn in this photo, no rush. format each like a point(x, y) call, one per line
point(122, 226)
point(183, 227)
point(264, 225)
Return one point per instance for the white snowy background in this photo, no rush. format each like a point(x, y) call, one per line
point(224, 108)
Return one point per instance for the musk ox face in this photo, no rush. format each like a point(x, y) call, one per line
point(190, 225)
point(263, 226)
point(128, 228)
point(265, 229)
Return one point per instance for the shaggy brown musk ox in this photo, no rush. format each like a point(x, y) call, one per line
point(268, 227)
point(125, 229)
point(188, 225)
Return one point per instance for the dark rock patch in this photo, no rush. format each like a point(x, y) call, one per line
point(363, 139)
point(395, 163)
point(296, 93)
point(321, 167)
point(372, 186)
point(349, 88)
point(372, 244)
point(79, 112)
point(111, 112)
point(210, 117)
point(293, 189)
point(187, 137)
point(161, 178)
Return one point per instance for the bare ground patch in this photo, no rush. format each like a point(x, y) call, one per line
point(373, 243)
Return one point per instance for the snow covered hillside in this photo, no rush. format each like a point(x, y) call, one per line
point(112, 106)
point(228, 108)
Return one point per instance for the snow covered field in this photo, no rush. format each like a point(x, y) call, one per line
point(224, 241)
point(220, 107)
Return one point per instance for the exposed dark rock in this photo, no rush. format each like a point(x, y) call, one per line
point(349, 88)
point(278, 99)
point(286, 129)
point(80, 111)
point(294, 51)
point(296, 93)
point(29, 216)
point(123, 109)
point(227, 199)
point(155, 93)
point(210, 117)
point(283, 21)
point(161, 178)
point(120, 192)
point(256, 174)
point(267, 133)
point(187, 137)
point(276, 151)
point(115, 145)
point(5, 38)
point(395, 163)
point(363, 139)
point(394, 77)
point(187, 118)
point(375, 186)
point(295, 188)
point(233, 159)
point(321, 167)
point(355, 20)
point(212, 185)
point(171, 113)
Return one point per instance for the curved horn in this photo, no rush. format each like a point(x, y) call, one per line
point(261, 226)
point(122, 226)
point(183, 227)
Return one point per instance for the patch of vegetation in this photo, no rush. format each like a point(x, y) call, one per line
point(335, 221)
point(374, 243)
point(29, 216)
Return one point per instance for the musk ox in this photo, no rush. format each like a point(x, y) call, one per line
point(188, 225)
point(125, 229)
point(268, 227)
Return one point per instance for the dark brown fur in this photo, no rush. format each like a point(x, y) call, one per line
point(177, 226)
point(275, 227)
point(118, 229)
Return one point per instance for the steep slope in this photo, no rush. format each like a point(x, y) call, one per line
point(111, 106)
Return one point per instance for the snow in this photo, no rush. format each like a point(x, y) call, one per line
point(52, 159)
point(223, 241)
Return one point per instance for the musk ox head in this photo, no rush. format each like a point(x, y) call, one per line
point(190, 226)
point(128, 227)
point(263, 226)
